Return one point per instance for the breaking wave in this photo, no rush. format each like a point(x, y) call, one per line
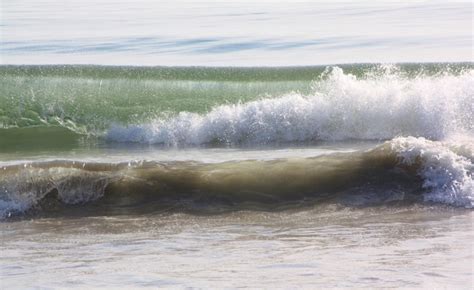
point(403, 170)
point(381, 105)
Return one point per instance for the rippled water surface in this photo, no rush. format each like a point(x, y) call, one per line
point(318, 247)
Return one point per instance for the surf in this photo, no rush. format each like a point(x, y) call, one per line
point(89, 100)
point(420, 114)
point(400, 171)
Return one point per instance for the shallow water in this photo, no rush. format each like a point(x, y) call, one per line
point(323, 246)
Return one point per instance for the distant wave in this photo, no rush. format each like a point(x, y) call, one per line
point(381, 105)
point(403, 170)
point(189, 106)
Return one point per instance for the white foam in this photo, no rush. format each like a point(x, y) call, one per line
point(383, 105)
point(447, 175)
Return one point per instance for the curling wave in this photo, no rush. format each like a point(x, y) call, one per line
point(382, 105)
point(403, 170)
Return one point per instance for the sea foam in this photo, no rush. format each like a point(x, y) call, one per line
point(446, 168)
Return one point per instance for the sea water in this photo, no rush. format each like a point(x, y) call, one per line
point(237, 172)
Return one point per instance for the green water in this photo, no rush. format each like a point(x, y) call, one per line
point(90, 98)
point(57, 107)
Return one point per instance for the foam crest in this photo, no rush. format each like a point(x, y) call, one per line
point(382, 105)
point(446, 169)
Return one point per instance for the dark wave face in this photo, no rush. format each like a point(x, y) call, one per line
point(404, 170)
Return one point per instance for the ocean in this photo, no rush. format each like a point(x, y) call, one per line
point(228, 145)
